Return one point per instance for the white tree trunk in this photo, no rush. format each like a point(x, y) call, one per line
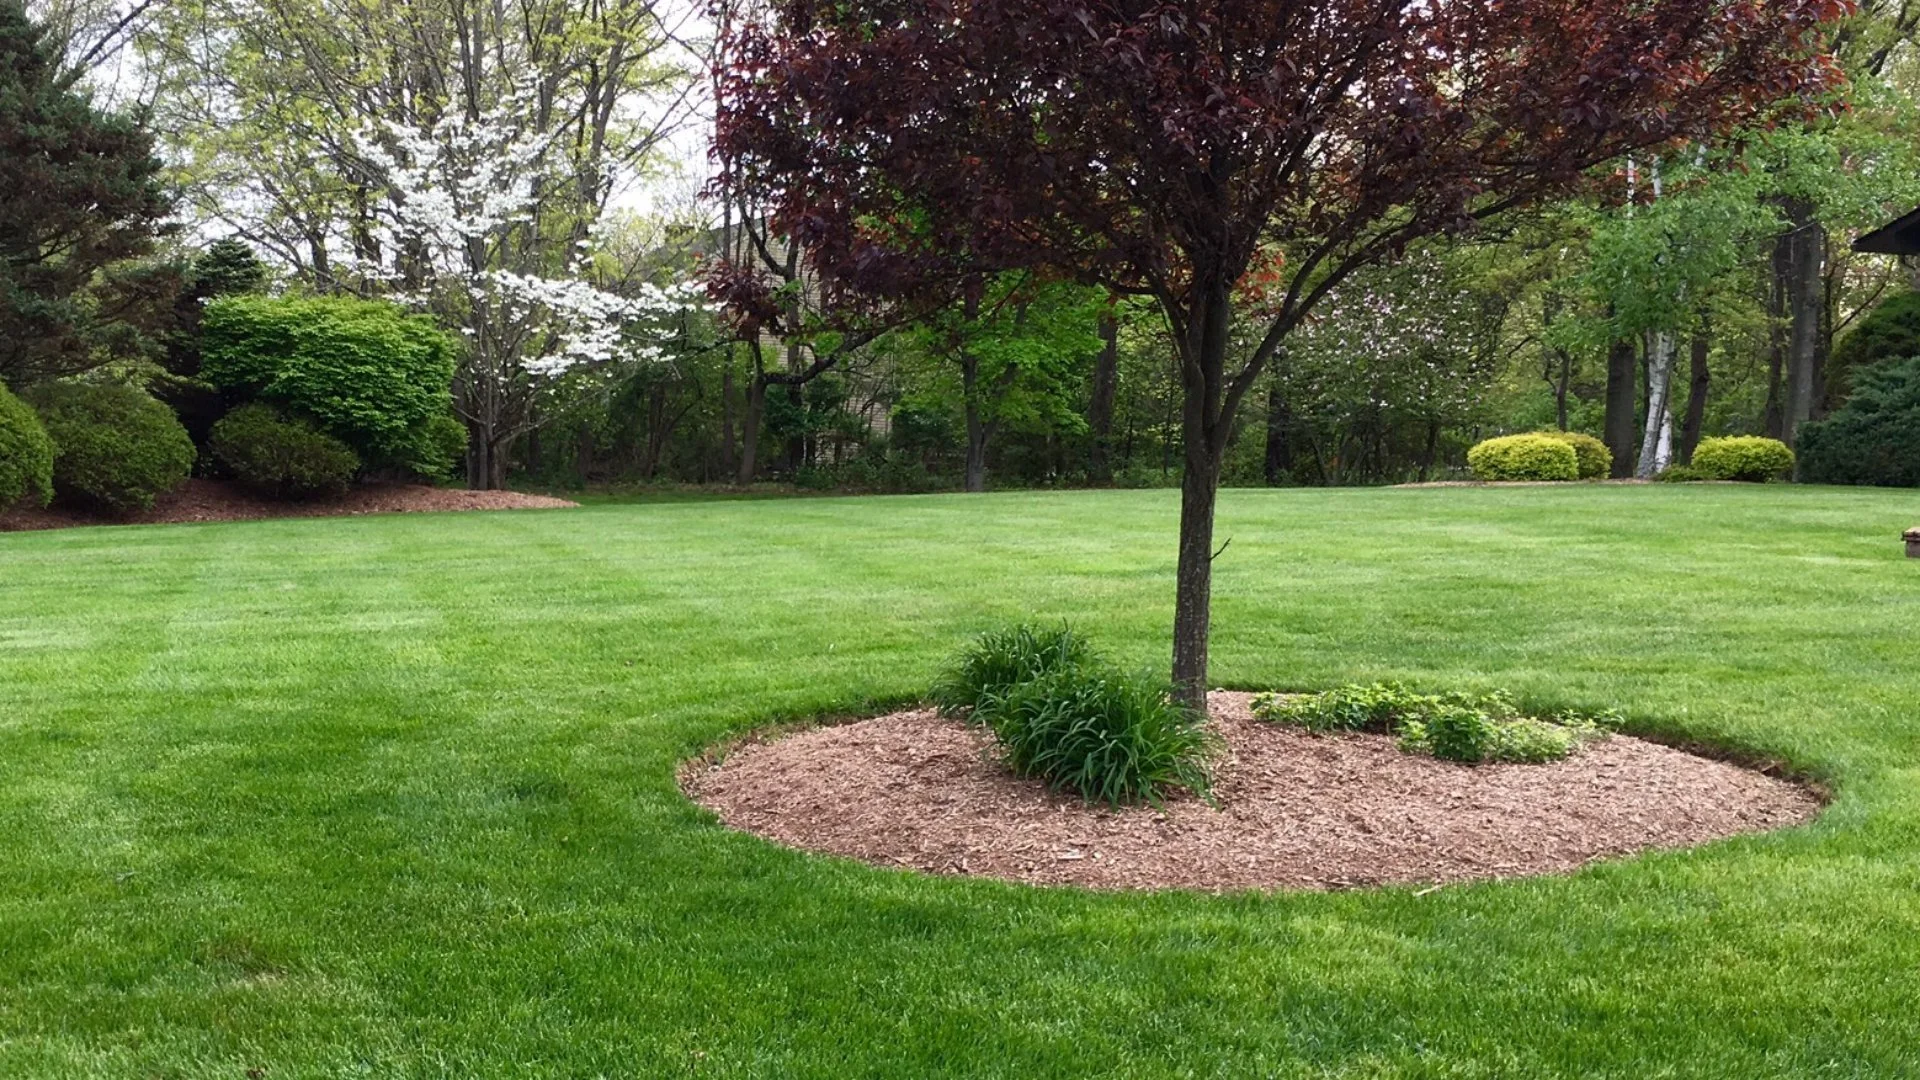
point(1656, 445)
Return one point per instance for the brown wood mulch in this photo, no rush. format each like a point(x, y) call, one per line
point(1295, 811)
point(214, 500)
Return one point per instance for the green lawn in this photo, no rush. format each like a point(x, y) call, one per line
point(394, 797)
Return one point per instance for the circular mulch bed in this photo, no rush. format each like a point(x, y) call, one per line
point(1296, 811)
point(213, 500)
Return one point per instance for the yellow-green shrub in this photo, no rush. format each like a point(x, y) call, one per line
point(1524, 457)
point(1595, 461)
point(1752, 458)
point(26, 454)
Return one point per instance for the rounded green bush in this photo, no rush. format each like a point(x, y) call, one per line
point(1593, 459)
point(1752, 458)
point(282, 458)
point(1106, 737)
point(1524, 457)
point(26, 454)
point(114, 446)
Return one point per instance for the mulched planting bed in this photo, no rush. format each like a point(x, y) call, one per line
point(1295, 811)
point(212, 500)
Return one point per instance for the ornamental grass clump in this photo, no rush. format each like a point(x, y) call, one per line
point(1066, 718)
point(1103, 735)
point(1457, 727)
point(1000, 659)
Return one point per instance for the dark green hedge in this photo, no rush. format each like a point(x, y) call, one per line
point(1874, 438)
point(114, 446)
point(281, 457)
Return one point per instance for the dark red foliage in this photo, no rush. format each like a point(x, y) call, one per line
point(1195, 152)
point(1149, 145)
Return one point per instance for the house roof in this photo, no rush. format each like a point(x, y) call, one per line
point(1898, 237)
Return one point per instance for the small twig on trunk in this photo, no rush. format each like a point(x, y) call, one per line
point(1223, 547)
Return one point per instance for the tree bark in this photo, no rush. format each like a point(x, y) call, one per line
point(1621, 400)
point(1279, 450)
point(729, 464)
point(750, 429)
point(1656, 438)
point(1697, 387)
point(1806, 250)
point(1204, 424)
point(976, 428)
point(1106, 379)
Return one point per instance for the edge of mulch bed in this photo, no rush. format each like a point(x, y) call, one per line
point(200, 501)
point(910, 790)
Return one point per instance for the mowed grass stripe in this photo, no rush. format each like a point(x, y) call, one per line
point(394, 796)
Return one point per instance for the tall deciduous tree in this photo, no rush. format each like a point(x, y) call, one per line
point(1167, 149)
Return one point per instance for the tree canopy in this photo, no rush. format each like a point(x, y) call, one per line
point(1179, 150)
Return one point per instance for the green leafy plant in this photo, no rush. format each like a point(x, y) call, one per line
point(1379, 707)
point(1524, 457)
point(1750, 458)
point(1104, 736)
point(1681, 474)
point(999, 659)
point(26, 454)
point(366, 372)
point(1454, 726)
point(1875, 437)
point(1593, 461)
point(1890, 333)
point(114, 446)
point(280, 457)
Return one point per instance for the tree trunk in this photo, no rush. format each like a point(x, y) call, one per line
point(1204, 425)
point(1621, 399)
point(728, 463)
point(797, 441)
point(1433, 449)
point(1656, 439)
point(976, 427)
point(750, 430)
point(1806, 248)
point(1193, 584)
point(1696, 395)
point(1773, 415)
point(1279, 457)
point(1106, 378)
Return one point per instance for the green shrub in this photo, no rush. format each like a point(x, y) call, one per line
point(999, 659)
point(26, 454)
point(282, 458)
point(369, 374)
point(1104, 736)
point(1379, 708)
point(1875, 437)
point(1524, 457)
point(114, 446)
point(441, 451)
point(1592, 459)
point(1681, 474)
point(1889, 333)
point(1454, 726)
point(1751, 458)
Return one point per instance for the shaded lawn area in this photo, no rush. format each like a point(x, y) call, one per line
point(394, 796)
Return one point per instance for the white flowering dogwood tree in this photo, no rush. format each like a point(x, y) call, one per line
point(463, 158)
point(463, 210)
